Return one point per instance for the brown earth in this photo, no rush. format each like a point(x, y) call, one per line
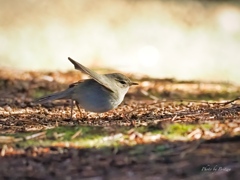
point(210, 154)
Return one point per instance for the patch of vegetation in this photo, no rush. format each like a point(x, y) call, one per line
point(180, 131)
point(90, 136)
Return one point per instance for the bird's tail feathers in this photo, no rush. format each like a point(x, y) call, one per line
point(66, 94)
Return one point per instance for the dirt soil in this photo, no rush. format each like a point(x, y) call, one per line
point(155, 103)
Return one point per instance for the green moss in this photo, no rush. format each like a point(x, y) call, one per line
point(89, 136)
point(180, 131)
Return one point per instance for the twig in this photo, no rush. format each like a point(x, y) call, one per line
point(228, 102)
point(79, 132)
point(37, 135)
point(9, 139)
point(183, 100)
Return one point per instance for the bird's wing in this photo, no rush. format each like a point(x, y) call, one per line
point(103, 80)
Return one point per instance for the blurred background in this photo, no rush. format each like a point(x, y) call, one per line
point(186, 40)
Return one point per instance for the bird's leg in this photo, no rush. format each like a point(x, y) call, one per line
point(77, 104)
point(71, 109)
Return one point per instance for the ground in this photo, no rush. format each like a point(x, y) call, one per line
point(164, 129)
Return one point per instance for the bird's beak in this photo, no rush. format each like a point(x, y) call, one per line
point(133, 83)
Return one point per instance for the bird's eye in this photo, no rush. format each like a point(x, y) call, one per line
point(122, 82)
